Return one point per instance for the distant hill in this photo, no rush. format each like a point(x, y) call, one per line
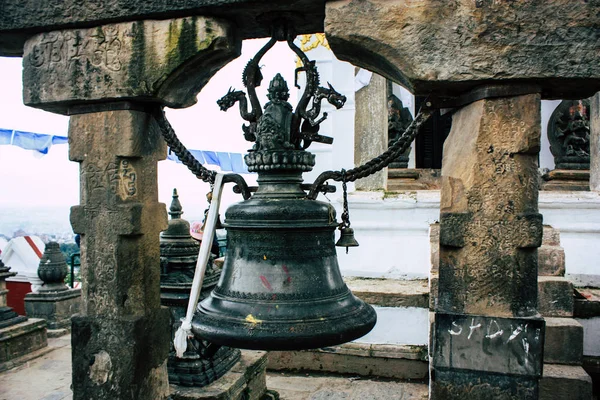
point(42, 221)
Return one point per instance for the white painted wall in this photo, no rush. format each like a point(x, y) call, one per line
point(591, 336)
point(393, 233)
point(399, 325)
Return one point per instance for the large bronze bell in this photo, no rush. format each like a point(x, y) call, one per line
point(281, 287)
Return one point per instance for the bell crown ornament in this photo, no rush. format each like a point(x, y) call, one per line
point(281, 287)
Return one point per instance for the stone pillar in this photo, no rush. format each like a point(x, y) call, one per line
point(595, 143)
point(54, 301)
point(120, 340)
point(104, 78)
point(488, 336)
point(371, 130)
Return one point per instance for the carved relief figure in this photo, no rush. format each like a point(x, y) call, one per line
point(569, 134)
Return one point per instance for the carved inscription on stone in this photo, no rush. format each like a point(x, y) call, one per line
point(100, 47)
point(119, 177)
point(159, 59)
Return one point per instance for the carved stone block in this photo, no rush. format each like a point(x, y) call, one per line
point(564, 341)
point(22, 338)
point(489, 224)
point(167, 61)
point(442, 47)
point(555, 297)
point(56, 308)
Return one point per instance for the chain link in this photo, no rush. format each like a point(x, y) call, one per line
point(180, 150)
point(378, 163)
point(345, 213)
point(374, 165)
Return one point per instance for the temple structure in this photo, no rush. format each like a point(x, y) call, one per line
point(109, 66)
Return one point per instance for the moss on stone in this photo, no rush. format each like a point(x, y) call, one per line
point(137, 65)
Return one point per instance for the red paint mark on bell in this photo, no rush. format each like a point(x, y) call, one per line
point(287, 274)
point(265, 282)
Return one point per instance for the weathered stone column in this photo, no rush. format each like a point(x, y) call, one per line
point(595, 143)
point(371, 130)
point(488, 337)
point(104, 78)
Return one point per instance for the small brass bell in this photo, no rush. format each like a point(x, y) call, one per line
point(347, 238)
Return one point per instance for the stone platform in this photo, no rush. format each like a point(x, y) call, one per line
point(20, 339)
point(51, 371)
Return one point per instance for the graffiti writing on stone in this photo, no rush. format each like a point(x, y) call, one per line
point(100, 47)
point(504, 345)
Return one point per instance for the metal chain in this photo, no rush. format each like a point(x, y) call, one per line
point(378, 163)
point(345, 214)
point(180, 150)
point(374, 165)
point(394, 151)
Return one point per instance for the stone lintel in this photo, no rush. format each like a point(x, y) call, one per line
point(166, 62)
point(447, 48)
point(20, 19)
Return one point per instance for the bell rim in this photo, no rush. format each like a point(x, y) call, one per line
point(267, 335)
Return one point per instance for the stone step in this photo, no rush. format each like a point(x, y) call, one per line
point(555, 296)
point(390, 292)
point(565, 382)
point(335, 387)
point(564, 341)
point(587, 303)
point(380, 360)
point(22, 338)
point(408, 179)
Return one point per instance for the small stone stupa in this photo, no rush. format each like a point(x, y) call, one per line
point(54, 301)
point(203, 362)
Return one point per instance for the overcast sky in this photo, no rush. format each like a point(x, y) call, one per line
point(27, 179)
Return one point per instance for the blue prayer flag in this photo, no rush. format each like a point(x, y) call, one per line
point(5, 136)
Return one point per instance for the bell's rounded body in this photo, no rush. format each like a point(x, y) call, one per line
point(281, 287)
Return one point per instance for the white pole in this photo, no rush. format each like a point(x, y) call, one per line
point(185, 330)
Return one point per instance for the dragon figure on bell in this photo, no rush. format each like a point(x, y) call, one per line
point(279, 127)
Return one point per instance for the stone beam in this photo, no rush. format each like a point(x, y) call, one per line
point(165, 61)
point(20, 19)
point(447, 48)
